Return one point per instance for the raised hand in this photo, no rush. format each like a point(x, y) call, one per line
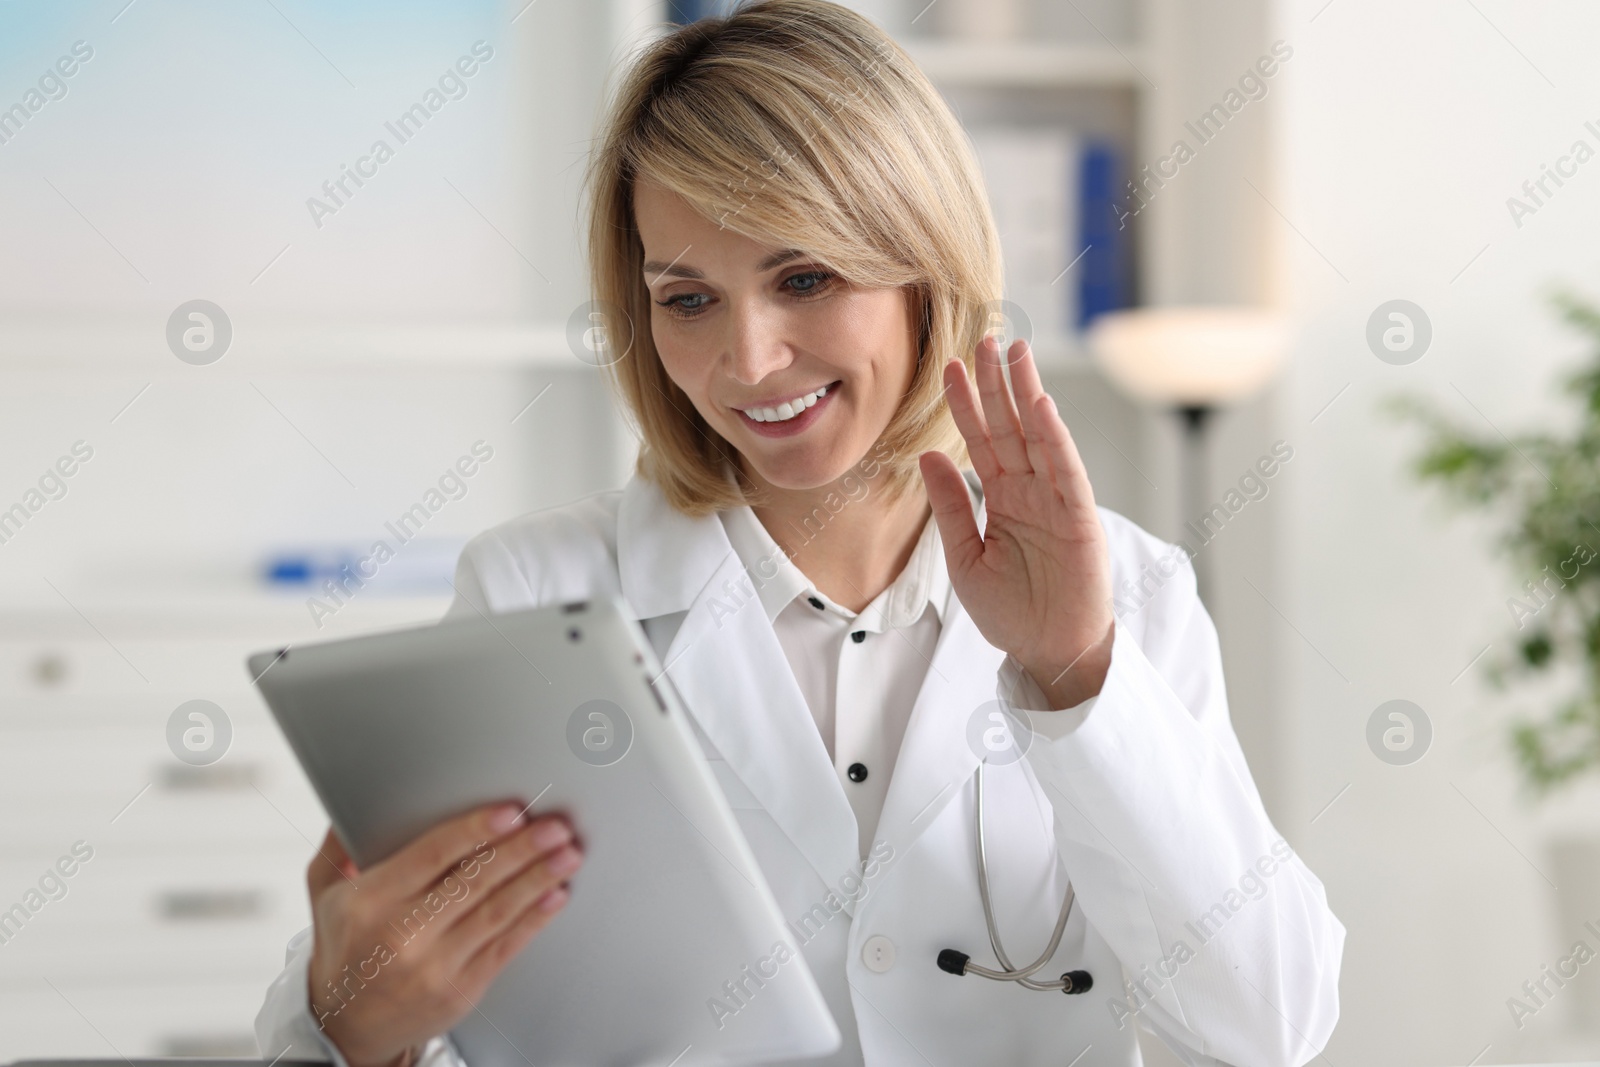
point(1037, 582)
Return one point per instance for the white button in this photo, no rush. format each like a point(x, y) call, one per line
point(878, 953)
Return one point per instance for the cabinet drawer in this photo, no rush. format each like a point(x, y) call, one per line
point(93, 667)
point(120, 784)
point(135, 1019)
point(147, 913)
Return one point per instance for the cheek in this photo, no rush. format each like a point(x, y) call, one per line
point(678, 359)
point(880, 343)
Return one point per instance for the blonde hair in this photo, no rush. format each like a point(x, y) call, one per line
point(802, 124)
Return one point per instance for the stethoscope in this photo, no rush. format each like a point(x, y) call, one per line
point(959, 963)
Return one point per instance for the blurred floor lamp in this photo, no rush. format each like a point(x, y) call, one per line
point(1191, 360)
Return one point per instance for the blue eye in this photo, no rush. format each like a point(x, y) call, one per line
point(818, 280)
point(676, 304)
point(690, 305)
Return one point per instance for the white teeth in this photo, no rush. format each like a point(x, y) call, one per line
point(786, 410)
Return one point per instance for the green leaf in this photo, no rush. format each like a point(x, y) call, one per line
point(1544, 486)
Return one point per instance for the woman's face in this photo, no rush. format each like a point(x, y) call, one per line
point(796, 368)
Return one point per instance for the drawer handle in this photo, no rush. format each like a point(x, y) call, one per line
point(49, 670)
point(219, 777)
point(209, 1046)
point(209, 905)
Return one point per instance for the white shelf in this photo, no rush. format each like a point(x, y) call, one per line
point(220, 613)
point(138, 344)
point(510, 345)
point(128, 346)
point(1023, 64)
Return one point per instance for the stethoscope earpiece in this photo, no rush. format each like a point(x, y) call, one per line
point(952, 961)
point(1077, 982)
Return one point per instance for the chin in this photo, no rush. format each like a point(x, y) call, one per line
point(801, 472)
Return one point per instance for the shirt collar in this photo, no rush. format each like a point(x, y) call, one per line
point(778, 582)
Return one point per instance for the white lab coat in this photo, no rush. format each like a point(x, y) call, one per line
point(1192, 914)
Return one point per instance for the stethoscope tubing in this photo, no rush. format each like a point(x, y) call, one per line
point(958, 963)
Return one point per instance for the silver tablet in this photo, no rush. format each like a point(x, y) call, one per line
point(558, 707)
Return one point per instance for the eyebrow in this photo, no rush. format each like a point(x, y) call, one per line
point(677, 270)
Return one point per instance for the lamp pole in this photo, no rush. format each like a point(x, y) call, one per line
point(1193, 497)
point(1191, 361)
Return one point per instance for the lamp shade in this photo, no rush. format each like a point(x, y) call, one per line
point(1190, 356)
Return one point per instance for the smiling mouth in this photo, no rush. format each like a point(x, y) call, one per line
point(789, 408)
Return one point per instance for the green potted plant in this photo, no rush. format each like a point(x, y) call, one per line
point(1546, 485)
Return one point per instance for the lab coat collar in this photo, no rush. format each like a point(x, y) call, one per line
point(778, 581)
point(664, 557)
point(727, 665)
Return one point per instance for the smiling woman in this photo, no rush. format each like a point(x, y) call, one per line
point(794, 222)
point(807, 153)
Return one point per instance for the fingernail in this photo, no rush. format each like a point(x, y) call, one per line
point(554, 899)
point(565, 862)
point(505, 818)
point(546, 834)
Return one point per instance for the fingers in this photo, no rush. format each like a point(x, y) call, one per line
point(503, 864)
point(1049, 446)
point(526, 901)
point(482, 968)
point(414, 870)
point(1064, 463)
point(999, 413)
point(1029, 391)
point(964, 409)
point(952, 510)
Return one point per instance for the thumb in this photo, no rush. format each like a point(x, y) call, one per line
point(332, 864)
point(952, 510)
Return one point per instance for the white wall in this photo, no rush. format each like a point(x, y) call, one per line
point(178, 165)
point(367, 356)
point(1404, 129)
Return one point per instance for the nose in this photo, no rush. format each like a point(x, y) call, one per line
point(755, 343)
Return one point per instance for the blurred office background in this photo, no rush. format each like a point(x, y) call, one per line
point(425, 311)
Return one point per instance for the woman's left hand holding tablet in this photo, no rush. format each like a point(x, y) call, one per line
point(1037, 581)
point(403, 950)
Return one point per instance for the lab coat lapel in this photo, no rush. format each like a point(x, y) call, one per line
point(935, 756)
point(727, 665)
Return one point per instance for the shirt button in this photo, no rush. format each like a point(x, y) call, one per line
point(857, 772)
point(859, 636)
point(878, 954)
point(814, 602)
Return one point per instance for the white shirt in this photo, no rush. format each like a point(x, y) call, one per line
point(861, 689)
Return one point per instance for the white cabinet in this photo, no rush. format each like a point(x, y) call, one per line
point(163, 940)
point(100, 1019)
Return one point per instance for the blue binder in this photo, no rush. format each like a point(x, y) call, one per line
point(1106, 276)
